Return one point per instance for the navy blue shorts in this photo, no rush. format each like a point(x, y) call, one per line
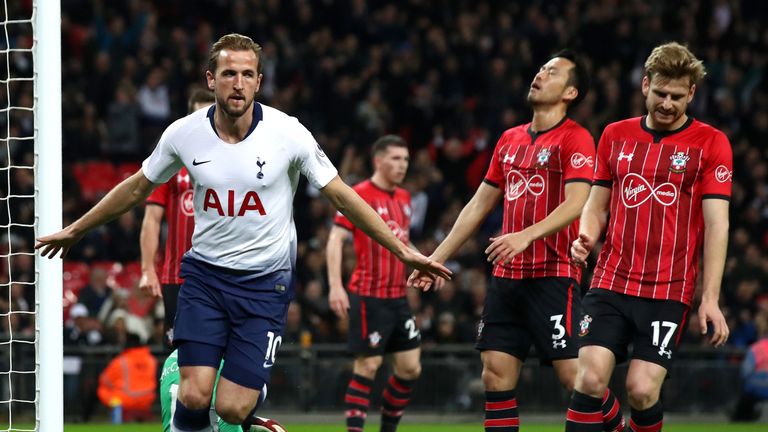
point(247, 332)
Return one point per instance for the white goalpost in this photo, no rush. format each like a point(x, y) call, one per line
point(49, 410)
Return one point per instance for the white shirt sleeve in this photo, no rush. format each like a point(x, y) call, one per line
point(311, 159)
point(164, 161)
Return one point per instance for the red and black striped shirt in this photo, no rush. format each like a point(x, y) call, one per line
point(176, 197)
point(658, 181)
point(533, 168)
point(378, 272)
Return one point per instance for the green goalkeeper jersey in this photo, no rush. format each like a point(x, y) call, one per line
point(169, 388)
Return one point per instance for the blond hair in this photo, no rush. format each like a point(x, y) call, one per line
point(672, 61)
point(233, 42)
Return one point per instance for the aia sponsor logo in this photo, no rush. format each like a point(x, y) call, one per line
point(578, 160)
point(187, 202)
point(517, 185)
point(723, 174)
point(230, 207)
point(635, 190)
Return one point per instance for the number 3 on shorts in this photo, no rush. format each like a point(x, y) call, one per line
point(410, 325)
point(558, 327)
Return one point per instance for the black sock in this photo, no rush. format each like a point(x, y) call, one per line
point(501, 411)
point(613, 420)
point(393, 402)
point(356, 402)
point(647, 420)
point(584, 414)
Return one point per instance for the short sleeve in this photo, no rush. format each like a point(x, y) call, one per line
point(602, 176)
point(159, 196)
point(312, 161)
point(164, 161)
point(717, 180)
point(578, 156)
point(495, 174)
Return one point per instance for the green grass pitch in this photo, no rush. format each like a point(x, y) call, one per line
point(679, 427)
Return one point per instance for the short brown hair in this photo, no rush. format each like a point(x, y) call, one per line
point(382, 144)
point(234, 42)
point(672, 61)
point(200, 96)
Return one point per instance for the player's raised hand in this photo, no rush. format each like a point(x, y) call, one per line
point(150, 284)
point(62, 241)
point(505, 247)
point(339, 301)
point(427, 266)
point(709, 311)
point(580, 249)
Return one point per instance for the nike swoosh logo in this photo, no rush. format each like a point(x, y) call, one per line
point(196, 163)
point(268, 365)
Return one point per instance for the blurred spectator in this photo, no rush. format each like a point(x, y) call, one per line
point(96, 292)
point(80, 330)
point(130, 380)
point(754, 375)
point(123, 125)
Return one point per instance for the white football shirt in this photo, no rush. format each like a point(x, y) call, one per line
point(244, 192)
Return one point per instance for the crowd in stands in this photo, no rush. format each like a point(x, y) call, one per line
point(449, 76)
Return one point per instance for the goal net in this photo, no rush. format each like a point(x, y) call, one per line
point(30, 197)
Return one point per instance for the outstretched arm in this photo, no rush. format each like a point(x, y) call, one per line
point(349, 203)
point(505, 247)
point(472, 215)
point(715, 244)
point(119, 200)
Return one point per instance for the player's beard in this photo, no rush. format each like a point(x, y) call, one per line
point(236, 112)
point(665, 118)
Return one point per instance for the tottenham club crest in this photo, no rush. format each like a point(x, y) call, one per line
point(679, 160)
point(261, 164)
point(374, 339)
point(584, 325)
point(542, 159)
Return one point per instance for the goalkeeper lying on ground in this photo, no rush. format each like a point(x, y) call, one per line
point(169, 387)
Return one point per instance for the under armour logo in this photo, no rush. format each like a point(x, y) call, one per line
point(558, 344)
point(664, 352)
point(508, 158)
point(261, 166)
point(627, 156)
point(636, 190)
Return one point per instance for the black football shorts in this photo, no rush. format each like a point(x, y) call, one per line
point(538, 311)
point(378, 326)
point(613, 320)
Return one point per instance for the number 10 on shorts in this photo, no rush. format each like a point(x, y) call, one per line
point(273, 344)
